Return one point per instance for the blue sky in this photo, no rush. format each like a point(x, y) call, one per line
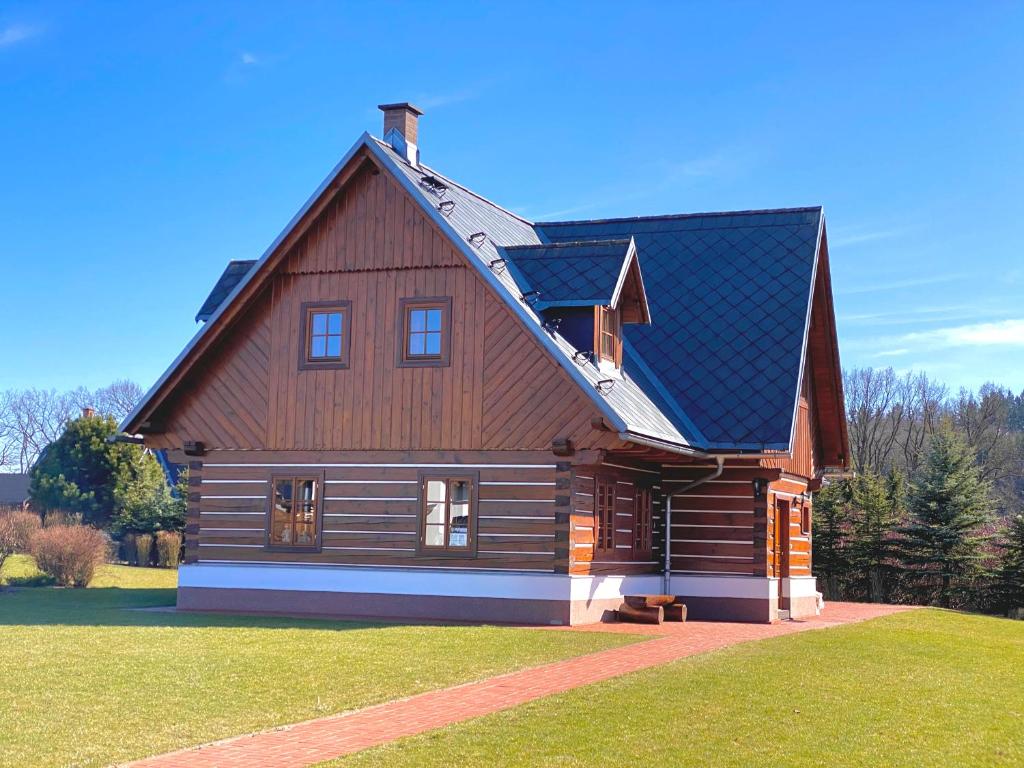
point(143, 145)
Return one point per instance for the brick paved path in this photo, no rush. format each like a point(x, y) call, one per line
point(314, 741)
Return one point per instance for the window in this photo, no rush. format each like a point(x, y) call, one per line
point(447, 514)
point(608, 328)
point(604, 516)
point(295, 513)
point(805, 519)
point(642, 530)
point(424, 332)
point(326, 335)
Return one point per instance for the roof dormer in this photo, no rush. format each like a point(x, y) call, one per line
point(589, 289)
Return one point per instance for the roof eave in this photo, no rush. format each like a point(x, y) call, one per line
point(807, 331)
point(665, 445)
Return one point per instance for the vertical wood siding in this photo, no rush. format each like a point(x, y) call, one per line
point(373, 246)
point(225, 402)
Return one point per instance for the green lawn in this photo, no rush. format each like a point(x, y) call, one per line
point(85, 681)
point(927, 688)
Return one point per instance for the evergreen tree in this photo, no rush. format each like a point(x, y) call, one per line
point(830, 538)
point(149, 504)
point(1011, 569)
point(82, 472)
point(874, 547)
point(949, 503)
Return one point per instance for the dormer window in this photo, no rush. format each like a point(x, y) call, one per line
point(584, 291)
point(608, 342)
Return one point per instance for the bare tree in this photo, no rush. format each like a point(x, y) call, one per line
point(890, 417)
point(8, 441)
point(925, 403)
point(31, 419)
point(986, 422)
point(35, 418)
point(118, 399)
point(875, 415)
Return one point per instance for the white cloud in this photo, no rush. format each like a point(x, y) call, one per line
point(910, 282)
point(726, 162)
point(438, 100)
point(892, 352)
point(847, 237)
point(927, 314)
point(248, 59)
point(1008, 333)
point(16, 33)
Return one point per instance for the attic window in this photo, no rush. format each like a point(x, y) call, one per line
point(608, 332)
point(326, 334)
point(424, 332)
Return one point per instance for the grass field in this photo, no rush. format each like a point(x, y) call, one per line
point(88, 680)
point(925, 688)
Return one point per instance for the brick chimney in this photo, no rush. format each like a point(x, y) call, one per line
point(88, 412)
point(401, 129)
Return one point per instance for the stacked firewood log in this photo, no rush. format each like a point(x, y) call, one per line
point(651, 609)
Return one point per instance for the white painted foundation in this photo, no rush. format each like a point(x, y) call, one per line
point(467, 583)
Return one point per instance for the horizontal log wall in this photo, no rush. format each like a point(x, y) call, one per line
point(622, 559)
point(716, 528)
point(797, 557)
point(371, 508)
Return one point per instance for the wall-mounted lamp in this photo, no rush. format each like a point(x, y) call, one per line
point(760, 486)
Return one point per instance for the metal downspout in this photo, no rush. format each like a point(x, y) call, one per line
point(668, 520)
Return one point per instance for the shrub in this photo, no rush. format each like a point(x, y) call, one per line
point(128, 552)
point(143, 549)
point(168, 549)
point(58, 517)
point(16, 529)
point(70, 553)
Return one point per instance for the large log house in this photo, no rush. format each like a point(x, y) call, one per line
point(417, 404)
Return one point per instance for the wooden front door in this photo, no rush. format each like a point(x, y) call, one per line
point(780, 551)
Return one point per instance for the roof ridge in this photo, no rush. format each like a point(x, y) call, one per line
point(569, 244)
point(748, 212)
point(463, 187)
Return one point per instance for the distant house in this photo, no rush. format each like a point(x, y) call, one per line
point(419, 404)
point(14, 489)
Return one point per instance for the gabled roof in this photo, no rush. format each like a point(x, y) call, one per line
point(475, 226)
point(731, 293)
point(721, 367)
point(232, 276)
point(572, 274)
point(481, 229)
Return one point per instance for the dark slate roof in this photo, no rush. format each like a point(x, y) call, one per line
point(13, 487)
point(730, 294)
point(172, 471)
point(233, 274)
point(569, 274)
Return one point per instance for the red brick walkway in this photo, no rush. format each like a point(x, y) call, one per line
point(314, 741)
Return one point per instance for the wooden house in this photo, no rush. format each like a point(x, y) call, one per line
point(418, 404)
point(14, 490)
